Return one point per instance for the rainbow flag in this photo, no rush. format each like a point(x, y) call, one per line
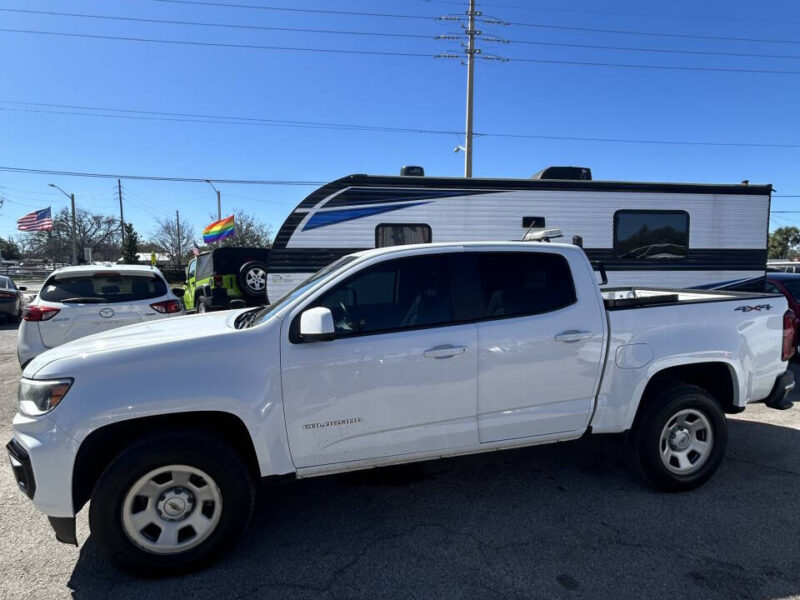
point(218, 230)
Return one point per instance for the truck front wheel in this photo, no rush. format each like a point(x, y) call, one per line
point(679, 439)
point(171, 504)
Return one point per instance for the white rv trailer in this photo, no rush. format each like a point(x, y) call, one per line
point(660, 234)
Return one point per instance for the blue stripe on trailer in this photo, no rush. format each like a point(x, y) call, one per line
point(331, 217)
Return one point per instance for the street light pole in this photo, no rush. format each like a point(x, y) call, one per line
point(74, 235)
point(219, 201)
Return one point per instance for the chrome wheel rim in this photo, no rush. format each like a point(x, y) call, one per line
point(686, 442)
point(201, 307)
point(171, 509)
point(256, 279)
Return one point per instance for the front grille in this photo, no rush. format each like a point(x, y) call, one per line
point(21, 465)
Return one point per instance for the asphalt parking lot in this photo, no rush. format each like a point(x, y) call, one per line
point(562, 521)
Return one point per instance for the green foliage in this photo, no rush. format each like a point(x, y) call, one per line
point(783, 242)
point(9, 249)
point(131, 245)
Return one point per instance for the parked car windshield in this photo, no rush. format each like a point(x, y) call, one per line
point(267, 311)
point(102, 288)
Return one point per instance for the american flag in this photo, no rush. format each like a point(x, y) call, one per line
point(38, 220)
point(196, 250)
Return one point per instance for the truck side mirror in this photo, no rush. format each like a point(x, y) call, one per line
point(316, 325)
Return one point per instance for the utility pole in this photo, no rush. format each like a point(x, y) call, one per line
point(121, 215)
point(468, 25)
point(178, 225)
point(74, 236)
point(470, 31)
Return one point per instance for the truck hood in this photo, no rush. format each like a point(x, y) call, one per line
point(155, 333)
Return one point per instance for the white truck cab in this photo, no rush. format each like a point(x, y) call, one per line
point(386, 356)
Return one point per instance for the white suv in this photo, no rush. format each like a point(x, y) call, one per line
point(78, 301)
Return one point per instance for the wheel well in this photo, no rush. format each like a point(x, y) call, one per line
point(717, 378)
point(104, 444)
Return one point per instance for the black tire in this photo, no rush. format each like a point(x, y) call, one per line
point(662, 408)
point(235, 486)
point(200, 305)
point(252, 279)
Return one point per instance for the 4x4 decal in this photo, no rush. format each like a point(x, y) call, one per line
point(756, 307)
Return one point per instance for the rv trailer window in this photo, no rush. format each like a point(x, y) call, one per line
point(651, 234)
point(397, 234)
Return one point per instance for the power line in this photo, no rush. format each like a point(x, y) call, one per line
point(645, 33)
point(657, 50)
point(218, 25)
point(349, 13)
point(158, 178)
point(612, 12)
point(521, 24)
point(393, 35)
point(217, 44)
point(235, 120)
point(222, 119)
point(401, 54)
point(657, 67)
point(185, 179)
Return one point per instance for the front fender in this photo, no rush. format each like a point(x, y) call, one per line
point(237, 374)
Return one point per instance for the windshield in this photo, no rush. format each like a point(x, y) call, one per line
point(266, 312)
point(102, 288)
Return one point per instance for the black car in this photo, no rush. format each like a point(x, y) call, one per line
point(11, 299)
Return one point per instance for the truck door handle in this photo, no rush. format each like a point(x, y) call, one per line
point(573, 335)
point(444, 351)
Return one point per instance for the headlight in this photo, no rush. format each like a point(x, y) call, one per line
point(37, 397)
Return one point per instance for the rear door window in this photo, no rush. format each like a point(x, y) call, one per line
point(513, 284)
point(102, 288)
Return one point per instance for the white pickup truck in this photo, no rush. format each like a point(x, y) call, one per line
point(387, 356)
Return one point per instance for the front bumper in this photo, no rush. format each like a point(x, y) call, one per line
point(42, 458)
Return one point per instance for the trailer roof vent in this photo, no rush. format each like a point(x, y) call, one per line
point(577, 173)
point(411, 171)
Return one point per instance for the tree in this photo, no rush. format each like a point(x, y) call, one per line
point(101, 233)
point(130, 246)
point(167, 240)
point(783, 242)
point(250, 232)
point(9, 249)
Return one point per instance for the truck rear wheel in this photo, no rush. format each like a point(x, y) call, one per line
point(171, 504)
point(679, 439)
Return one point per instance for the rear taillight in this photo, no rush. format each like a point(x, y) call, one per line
point(166, 307)
point(218, 281)
point(39, 313)
point(7, 295)
point(789, 325)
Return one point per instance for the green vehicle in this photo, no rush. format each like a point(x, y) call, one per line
point(226, 278)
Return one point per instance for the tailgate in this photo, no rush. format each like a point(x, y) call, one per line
point(79, 320)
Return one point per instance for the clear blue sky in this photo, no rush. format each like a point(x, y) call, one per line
point(391, 91)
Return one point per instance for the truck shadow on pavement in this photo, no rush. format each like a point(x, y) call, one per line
point(561, 521)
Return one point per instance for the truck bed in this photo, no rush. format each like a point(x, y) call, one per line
point(640, 297)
